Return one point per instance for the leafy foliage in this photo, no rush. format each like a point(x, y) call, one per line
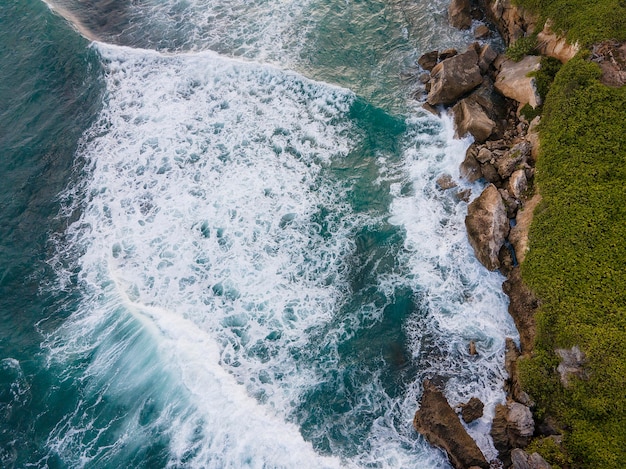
point(577, 262)
point(522, 47)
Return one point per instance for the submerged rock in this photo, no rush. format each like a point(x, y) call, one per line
point(441, 427)
point(487, 226)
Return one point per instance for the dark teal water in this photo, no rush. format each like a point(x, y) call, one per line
point(221, 240)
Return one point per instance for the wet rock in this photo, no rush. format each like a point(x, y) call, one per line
point(470, 117)
point(518, 236)
point(441, 427)
point(520, 459)
point(517, 184)
point(459, 14)
point(572, 364)
point(445, 182)
point(472, 348)
point(428, 60)
point(522, 307)
point(447, 53)
point(472, 410)
point(481, 31)
point(487, 226)
point(470, 168)
point(431, 109)
point(424, 78)
point(514, 82)
point(463, 195)
point(454, 77)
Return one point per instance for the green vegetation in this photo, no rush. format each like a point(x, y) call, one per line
point(585, 21)
point(577, 261)
point(543, 79)
point(522, 47)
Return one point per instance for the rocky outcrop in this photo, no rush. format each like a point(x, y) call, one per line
point(512, 21)
point(514, 81)
point(472, 410)
point(520, 459)
point(460, 14)
point(441, 427)
point(552, 45)
point(487, 226)
point(513, 427)
point(518, 236)
point(512, 385)
point(522, 307)
point(572, 364)
point(454, 77)
point(470, 117)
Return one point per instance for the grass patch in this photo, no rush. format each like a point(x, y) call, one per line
point(522, 47)
point(583, 21)
point(577, 262)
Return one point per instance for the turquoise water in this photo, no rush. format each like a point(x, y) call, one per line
point(222, 243)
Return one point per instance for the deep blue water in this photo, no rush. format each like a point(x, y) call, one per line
point(221, 241)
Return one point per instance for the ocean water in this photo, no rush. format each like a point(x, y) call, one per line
point(222, 244)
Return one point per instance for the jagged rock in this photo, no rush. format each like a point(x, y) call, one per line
point(512, 21)
point(487, 226)
point(572, 364)
point(484, 155)
point(441, 427)
point(481, 31)
point(518, 236)
point(510, 202)
point(472, 410)
point(470, 168)
point(486, 57)
point(505, 256)
point(520, 459)
point(548, 43)
point(424, 78)
point(445, 182)
point(518, 184)
point(470, 117)
point(513, 386)
point(514, 82)
point(463, 195)
point(513, 427)
point(491, 101)
point(513, 158)
point(431, 109)
point(490, 173)
point(472, 348)
point(454, 77)
point(459, 14)
point(447, 53)
point(428, 60)
point(522, 307)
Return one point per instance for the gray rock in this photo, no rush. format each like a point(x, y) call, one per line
point(513, 158)
point(454, 77)
point(459, 14)
point(519, 233)
point(512, 427)
point(572, 364)
point(481, 31)
point(518, 184)
point(470, 117)
point(445, 182)
point(520, 459)
point(490, 173)
point(487, 226)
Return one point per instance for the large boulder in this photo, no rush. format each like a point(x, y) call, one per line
point(428, 60)
point(454, 77)
point(487, 226)
point(512, 427)
point(572, 364)
point(548, 43)
point(514, 82)
point(513, 158)
point(441, 427)
point(460, 14)
point(472, 409)
point(470, 117)
point(511, 20)
point(470, 168)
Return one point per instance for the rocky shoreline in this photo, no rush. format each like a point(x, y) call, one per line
point(485, 92)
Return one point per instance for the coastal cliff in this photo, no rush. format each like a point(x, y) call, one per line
point(557, 255)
